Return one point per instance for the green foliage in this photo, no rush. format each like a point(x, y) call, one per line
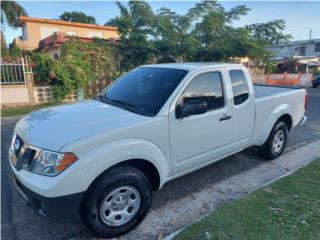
point(286, 209)
point(10, 12)
point(79, 17)
point(204, 33)
point(13, 52)
point(134, 25)
point(269, 33)
point(271, 67)
point(43, 68)
point(81, 63)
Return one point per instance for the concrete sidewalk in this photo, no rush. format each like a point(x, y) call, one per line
point(177, 214)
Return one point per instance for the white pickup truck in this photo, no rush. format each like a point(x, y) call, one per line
point(101, 159)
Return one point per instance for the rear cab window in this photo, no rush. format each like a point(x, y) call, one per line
point(239, 86)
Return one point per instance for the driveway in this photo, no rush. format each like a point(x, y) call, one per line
point(20, 222)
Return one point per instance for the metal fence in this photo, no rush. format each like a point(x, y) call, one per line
point(14, 72)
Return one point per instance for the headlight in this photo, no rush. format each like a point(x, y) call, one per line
point(52, 163)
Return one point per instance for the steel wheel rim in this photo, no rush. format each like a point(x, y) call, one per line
point(120, 206)
point(278, 141)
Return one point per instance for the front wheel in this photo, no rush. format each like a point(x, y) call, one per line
point(116, 202)
point(276, 142)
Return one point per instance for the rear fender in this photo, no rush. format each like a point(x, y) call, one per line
point(277, 113)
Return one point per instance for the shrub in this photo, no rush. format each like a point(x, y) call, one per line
point(81, 63)
point(43, 74)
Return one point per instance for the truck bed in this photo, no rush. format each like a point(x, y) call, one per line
point(270, 100)
point(261, 91)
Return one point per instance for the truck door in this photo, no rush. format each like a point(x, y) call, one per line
point(198, 139)
point(243, 109)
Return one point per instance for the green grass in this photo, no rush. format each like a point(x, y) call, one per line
point(287, 209)
point(14, 111)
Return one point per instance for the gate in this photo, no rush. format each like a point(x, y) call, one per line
point(15, 72)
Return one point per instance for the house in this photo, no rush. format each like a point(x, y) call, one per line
point(304, 48)
point(47, 34)
point(300, 56)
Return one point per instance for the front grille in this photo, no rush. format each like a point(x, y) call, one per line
point(23, 153)
point(17, 144)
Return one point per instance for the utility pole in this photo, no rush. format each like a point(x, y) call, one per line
point(310, 34)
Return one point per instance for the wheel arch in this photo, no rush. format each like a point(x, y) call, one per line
point(287, 119)
point(147, 168)
point(282, 112)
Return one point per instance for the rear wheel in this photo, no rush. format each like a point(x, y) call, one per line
point(116, 202)
point(276, 142)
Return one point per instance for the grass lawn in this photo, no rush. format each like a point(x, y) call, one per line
point(13, 111)
point(287, 209)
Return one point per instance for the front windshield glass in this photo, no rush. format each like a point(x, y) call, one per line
point(144, 90)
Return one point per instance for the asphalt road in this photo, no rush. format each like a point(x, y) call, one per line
point(20, 222)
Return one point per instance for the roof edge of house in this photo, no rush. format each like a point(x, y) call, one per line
point(24, 19)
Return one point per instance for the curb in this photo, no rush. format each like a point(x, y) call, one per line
point(11, 118)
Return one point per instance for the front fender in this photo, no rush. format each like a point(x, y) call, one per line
point(101, 158)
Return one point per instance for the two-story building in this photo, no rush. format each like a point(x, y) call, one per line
point(48, 35)
point(304, 55)
point(304, 48)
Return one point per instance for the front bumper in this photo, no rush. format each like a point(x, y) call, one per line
point(57, 209)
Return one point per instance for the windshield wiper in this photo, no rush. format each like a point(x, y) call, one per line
point(120, 103)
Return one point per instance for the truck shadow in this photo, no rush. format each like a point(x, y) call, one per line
point(209, 175)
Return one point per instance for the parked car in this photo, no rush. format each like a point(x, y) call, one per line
point(316, 81)
point(101, 159)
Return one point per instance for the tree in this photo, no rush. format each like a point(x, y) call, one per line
point(217, 39)
point(135, 26)
point(10, 13)
point(79, 17)
point(269, 33)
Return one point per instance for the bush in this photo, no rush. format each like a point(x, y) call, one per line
point(81, 63)
point(43, 74)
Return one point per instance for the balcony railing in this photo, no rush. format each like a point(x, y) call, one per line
point(54, 39)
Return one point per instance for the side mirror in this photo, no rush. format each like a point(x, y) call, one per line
point(192, 107)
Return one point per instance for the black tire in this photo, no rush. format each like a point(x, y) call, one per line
point(104, 185)
point(314, 86)
point(267, 150)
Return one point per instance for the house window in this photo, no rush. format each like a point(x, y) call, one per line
point(95, 34)
point(302, 51)
point(317, 47)
point(24, 33)
point(71, 33)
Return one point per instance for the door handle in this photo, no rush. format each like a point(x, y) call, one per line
point(225, 117)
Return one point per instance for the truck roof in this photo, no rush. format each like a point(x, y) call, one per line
point(192, 65)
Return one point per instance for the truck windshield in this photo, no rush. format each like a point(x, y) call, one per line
point(143, 90)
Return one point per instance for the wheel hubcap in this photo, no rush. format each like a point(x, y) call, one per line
point(120, 206)
point(278, 141)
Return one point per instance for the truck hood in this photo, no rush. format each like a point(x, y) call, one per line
point(52, 128)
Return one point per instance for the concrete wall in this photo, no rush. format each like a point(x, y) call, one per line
point(14, 95)
point(18, 94)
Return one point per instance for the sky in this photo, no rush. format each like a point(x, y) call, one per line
point(300, 16)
